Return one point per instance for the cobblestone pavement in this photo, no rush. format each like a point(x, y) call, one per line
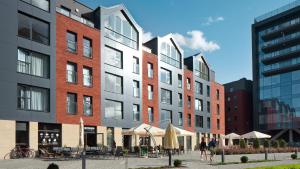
point(191, 160)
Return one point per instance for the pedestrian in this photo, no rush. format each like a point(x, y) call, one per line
point(203, 148)
point(211, 148)
point(114, 146)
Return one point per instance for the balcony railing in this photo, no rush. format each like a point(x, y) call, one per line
point(87, 51)
point(87, 80)
point(170, 61)
point(281, 41)
point(75, 17)
point(71, 76)
point(72, 46)
point(285, 51)
point(281, 27)
point(118, 37)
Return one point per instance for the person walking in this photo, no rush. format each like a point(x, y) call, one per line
point(203, 148)
point(211, 148)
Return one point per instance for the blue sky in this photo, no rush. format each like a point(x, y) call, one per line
point(221, 29)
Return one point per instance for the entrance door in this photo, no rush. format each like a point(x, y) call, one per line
point(22, 134)
point(91, 136)
point(127, 142)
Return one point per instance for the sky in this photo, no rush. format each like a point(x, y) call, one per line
point(220, 29)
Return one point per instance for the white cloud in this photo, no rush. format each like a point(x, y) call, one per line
point(195, 40)
point(147, 36)
point(210, 20)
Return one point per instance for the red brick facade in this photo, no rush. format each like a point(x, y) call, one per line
point(215, 114)
point(150, 58)
point(188, 110)
point(64, 24)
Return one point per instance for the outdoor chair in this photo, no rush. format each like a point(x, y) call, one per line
point(44, 153)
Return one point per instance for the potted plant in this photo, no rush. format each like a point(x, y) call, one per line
point(177, 163)
point(244, 159)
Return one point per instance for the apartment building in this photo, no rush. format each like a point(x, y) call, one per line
point(66, 61)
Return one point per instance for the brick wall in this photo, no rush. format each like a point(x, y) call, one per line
point(188, 110)
point(64, 24)
point(214, 114)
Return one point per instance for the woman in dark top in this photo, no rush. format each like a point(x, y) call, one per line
point(203, 148)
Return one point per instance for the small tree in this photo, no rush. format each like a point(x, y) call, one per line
point(53, 166)
point(244, 159)
point(242, 143)
point(275, 144)
point(266, 143)
point(282, 143)
point(256, 144)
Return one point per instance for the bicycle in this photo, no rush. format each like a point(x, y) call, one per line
point(19, 152)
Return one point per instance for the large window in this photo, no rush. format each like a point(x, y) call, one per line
point(42, 4)
point(198, 105)
point(199, 121)
point(113, 83)
point(166, 96)
point(150, 70)
point(113, 57)
point(166, 115)
point(22, 133)
point(170, 55)
point(33, 63)
point(33, 98)
point(180, 119)
point(202, 70)
point(71, 72)
point(150, 115)
point(87, 76)
point(88, 105)
point(33, 29)
point(150, 92)
point(199, 88)
point(113, 109)
point(87, 47)
point(119, 29)
point(136, 88)
point(72, 103)
point(136, 65)
point(71, 41)
point(136, 112)
point(165, 76)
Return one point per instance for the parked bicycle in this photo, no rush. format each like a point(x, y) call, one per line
point(19, 152)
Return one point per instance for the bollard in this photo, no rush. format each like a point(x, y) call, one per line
point(83, 160)
point(266, 154)
point(223, 156)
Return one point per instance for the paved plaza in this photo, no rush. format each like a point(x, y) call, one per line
point(190, 160)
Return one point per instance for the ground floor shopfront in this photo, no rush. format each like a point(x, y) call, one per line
point(37, 135)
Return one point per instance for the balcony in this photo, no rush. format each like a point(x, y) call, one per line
point(282, 70)
point(281, 55)
point(75, 17)
point(281, 42)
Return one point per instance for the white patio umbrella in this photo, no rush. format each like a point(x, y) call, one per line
point(221, 141)
point(171, 140)
point(142, 129)
point(233, 136)
point(255, 134)
point(230, 142)
point(81, 133)
point(182, 132)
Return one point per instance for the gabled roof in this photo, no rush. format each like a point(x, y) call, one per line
point(200, 55)
point(171, 37)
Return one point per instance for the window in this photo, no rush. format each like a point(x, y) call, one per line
point(113, 57)
point(218, 109)
point(71, 41)
point(202, 70)
point(199, 88)
point(150, 115)
point(22, 133)
point(33, 63)
point(42, 4)
point(170, 55)
point(198, 105)
point(208, 91)
point(113, 109)
point(218, 94)
point(87, 76)
point(228, 99)
point(136, 65)
point(113, 83)
point(208, 122)
point(165, 76)
point(33, 98)
point(189, 101)
point(33, 29)
point(136, 112)
point(87, 105)
point(218, 124)
point(208, 107)
point(166, 115)
point(199, 121)
point(166, 96)
point(71, 72)
point(188, 84)
point(180, 119)
point(179, 81)
point(189, 120)
point(87, 47)
point(72, 103)
point(150, 92)
point(150, 70)
point(136, 89)
point(179, 99)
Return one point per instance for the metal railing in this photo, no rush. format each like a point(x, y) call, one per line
point(75, 17)
point(116, 36)
point(282, 52)
point(281, 39)
point(170, 60)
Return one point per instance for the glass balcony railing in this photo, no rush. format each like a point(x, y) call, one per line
point(75, 17)
point(281, 26)
point(118, 37)
point(170, 61)
point(282, 52)
point(281, 39)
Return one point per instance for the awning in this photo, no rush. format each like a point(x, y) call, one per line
point(233, 136)
point(142, 129)
point(182, 132)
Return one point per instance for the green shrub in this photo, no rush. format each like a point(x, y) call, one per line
point(242, 143)
point(256, 144)
point(294, 156)
point(53, 166)
point(177, 163)
point(282, 143)
point(244, 159)
point(275, 144)
point(266, 143)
